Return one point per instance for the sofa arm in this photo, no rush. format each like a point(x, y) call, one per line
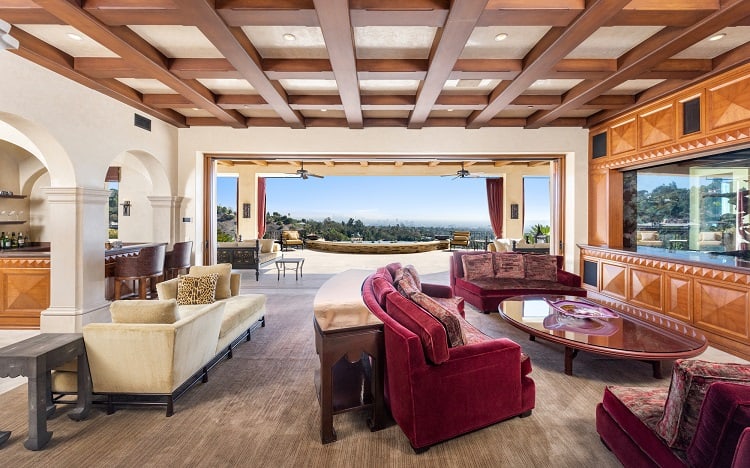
point(568, 279)
point(151, 358)
point(234, 284)
point(437, 290)
point(167, 289)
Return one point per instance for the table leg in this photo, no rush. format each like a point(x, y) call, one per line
point(327, 433)
point(377, 421)
point(37, 390)
point(570, 354)
point(656, 366)
point(83, 404)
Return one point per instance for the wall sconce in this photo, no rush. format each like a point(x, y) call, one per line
point(126, 208)
point(6, 40)
point(246, 210)
point(514, 211)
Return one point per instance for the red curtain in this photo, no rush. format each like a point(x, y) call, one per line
point(261, 207)
point(495, 205)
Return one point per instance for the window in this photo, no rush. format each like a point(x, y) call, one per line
point(536, 209)
point(114, 188)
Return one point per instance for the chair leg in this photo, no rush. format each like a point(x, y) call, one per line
point(118, 289)
point(142, 284)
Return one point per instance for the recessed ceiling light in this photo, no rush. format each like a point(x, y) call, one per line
point(75, 36)
point(289, 37)
point(450, 110)
point(501, 37)
point(323, 110)
point(716, 37)
point(530, 107)
point(195, 108)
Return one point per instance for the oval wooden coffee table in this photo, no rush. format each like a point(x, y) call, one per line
point(624, 332)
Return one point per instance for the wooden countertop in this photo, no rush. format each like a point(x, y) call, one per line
point(36, 249)
point(338, 304)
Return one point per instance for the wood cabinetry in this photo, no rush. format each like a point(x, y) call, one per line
point(716, 300)
point(24, 290)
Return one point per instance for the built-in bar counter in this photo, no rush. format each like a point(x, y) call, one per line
point(24, 285)
point(25, 281)
point(713, 296)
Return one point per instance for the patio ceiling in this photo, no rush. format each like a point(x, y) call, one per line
point(370, 63)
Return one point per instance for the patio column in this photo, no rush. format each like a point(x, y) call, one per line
point(166, 222)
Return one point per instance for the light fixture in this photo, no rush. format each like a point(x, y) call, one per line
point(450, 110)
point(126, 208)
point(6, 40)
point(717, 37)
point(501, 37)
point(289, 37)
point(74, 36)
point(323, 110)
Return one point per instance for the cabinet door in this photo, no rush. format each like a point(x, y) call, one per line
point(224, 256)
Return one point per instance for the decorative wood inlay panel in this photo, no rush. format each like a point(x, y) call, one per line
point(597, 209)
point(678, 297)
point(25, 291)
point(613, 279)
point(729, 104)
point(623, 137)
point(656, 127)
point(722, 307)
point(645, 288)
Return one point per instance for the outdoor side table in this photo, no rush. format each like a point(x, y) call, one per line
point(35, 358)
point(281, 265)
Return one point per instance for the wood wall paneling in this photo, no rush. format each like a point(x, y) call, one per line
point(645, 288)
point(657, 126)
point(722, 307)
point(624, 137)
point(24, 291)
point(598, 219)
point(678, 297)
point(729, 103)
point(614, 279)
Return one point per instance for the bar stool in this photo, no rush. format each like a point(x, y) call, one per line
point(146, 268)
point(177, 259)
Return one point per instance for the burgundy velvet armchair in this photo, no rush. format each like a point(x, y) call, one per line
point(436, 392)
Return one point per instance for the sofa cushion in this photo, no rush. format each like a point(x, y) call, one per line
point(144, 311)
point(488, 287)
point(430, 331)
point(509, 265)
point(415, 276)
point(224, 270)
point(237, 310)
point(453, 304)
point(690, 380)
point(381, 287)
point(448, 319)
point(406, 285)
point(196, 289)
point(478, 266)
point(470, 333)
point(393, 268)
point(541, 267)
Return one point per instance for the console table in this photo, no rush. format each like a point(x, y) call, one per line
point(35, 358)
point(349, 342)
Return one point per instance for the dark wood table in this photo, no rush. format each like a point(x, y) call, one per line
point(634, 333)
point(35, 358)
point(350, 345)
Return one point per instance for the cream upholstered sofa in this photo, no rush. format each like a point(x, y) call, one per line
point(710, 240)
point(648, 239)
point(156, 350)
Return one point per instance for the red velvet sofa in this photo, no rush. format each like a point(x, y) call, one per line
point(485, 292)
point(436, 392)
point(714, 413)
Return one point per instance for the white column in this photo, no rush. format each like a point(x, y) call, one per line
point(166, 223)
point(78, 233)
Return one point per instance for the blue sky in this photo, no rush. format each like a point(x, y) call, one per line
point(442, 201)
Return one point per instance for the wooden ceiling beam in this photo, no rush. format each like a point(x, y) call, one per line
point(449, 43)
point(336, 26)
point(108, 67)
point(33, 14)
point(545, 56)
point(203, 68)
point(128, 45)
point(645, 56)
point(167, 101)
point(53, 59)
point(236, 47)
point(243, 101)
point(314, 102)
point(134, 12)
point(304, 69)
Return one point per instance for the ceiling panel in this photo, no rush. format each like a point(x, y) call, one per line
point(147, 86)
point(519, 41)
point(390, 42)
point(67, 39)
point(708, 49)
point(178, 41)
point(270, 41)
point(612, 41)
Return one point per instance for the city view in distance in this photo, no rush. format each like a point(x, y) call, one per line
point(440, 202)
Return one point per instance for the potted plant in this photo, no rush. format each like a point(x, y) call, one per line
point(540, 233)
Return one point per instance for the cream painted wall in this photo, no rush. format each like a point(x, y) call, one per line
point(390, 141)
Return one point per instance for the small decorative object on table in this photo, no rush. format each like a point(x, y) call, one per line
point(581, 309)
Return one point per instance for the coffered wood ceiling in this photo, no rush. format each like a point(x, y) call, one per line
point(371, 63)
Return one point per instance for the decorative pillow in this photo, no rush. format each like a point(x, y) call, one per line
point(470, 333)
point(449, 320)
point(648, 235)
point(143, 311)
point(393, 268)
point(291, 235)
point(509, 265)
point(224, 270)
point(429, 330)
point(197, 289)
point(541, 267)
point(478, 266)
point(266, 245)
point(415, 276)
point(690, 380)
point(407, 286)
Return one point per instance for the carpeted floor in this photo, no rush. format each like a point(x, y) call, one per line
point(260, 409)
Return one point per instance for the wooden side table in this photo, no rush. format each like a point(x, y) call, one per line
point(35, 358)
point(350, 345)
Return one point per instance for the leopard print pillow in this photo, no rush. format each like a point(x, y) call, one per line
point(197, 289)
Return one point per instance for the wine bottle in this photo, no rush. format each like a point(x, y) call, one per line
point(2, 241)
point(21, 240)
point(13, 241)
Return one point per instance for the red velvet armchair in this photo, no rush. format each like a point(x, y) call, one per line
point(436, 392)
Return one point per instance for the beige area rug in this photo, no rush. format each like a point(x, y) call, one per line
point(260, 409)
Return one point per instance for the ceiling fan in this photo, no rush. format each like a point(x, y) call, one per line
point(305, 174)
point(462, 173)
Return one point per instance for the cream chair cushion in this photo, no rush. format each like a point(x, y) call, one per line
point(503, 245)
point(142, 311)
point(224, 270)
point(266, 245)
